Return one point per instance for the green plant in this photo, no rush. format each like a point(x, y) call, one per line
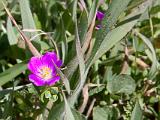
point(107, 74)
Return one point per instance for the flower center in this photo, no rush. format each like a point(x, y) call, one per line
point(45, 72)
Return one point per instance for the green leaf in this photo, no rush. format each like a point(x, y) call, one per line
point(107, 38)
point(81, 63)
point(27, 18)
point(4, 92)
point(153, 69)
point(155, 9)
point(64, 79)
point(135, 3)
point(80, 56)
point(105, 113)
point(112, 38)
point(50, 94)
point(114, 11)
point(82, 26)
point(1, 4)
point(122, 83)
point(54, 98)
point(74, 11)
point(12, 72)
point(28, 23)
point(47, 94)
point(77, 115)
point(72, 66)
point(64, 40)
point(137, 112)
point(96, 90)
point(56, 112)
point(10, 33)
point(54, 90)
point(92, 12)
point(68, 113)
point(42, 97)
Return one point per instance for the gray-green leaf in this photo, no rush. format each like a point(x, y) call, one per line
point(122, 83)
point(137, 112)
point(11, 73)
point(105, 113)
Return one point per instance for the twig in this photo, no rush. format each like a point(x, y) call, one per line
point(149, 83)
point(90, 30)
point(54, 43)
point(149, 92)
point(125, 63)
point(132, 58)
point(89, 35)
point(43, 33)
point(89, 51)
point(138, 61)
point(90, 108)
point(85, 100)
point(86, 95)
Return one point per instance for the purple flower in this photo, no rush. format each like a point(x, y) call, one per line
point(98, 27)
point(43, 69)
point(100, 16)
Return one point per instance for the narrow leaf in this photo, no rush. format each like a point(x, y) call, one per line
point(68, 113)
point(74, 11)
point(154, 59)
point(81, 63)
point(111, 17)
point(10, 33)
point(137, 112)
point(105, 113)
point(92, 12)
point(80, 55)
point(77, 115)
point(12, 72)
point(56, 112)
point(112, 38)
point(64, 79)
point(27, 19)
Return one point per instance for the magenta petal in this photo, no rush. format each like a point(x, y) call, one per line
point(100, 15)
point(53, 80)
point(52, 55)
point(34, 64)
point(36, 80)
point(59, 63)
point(54, 58)
point(47, 61)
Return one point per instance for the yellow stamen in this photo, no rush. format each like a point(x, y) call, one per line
point(45, 72)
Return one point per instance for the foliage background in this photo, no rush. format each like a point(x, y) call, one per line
point(108, 74)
